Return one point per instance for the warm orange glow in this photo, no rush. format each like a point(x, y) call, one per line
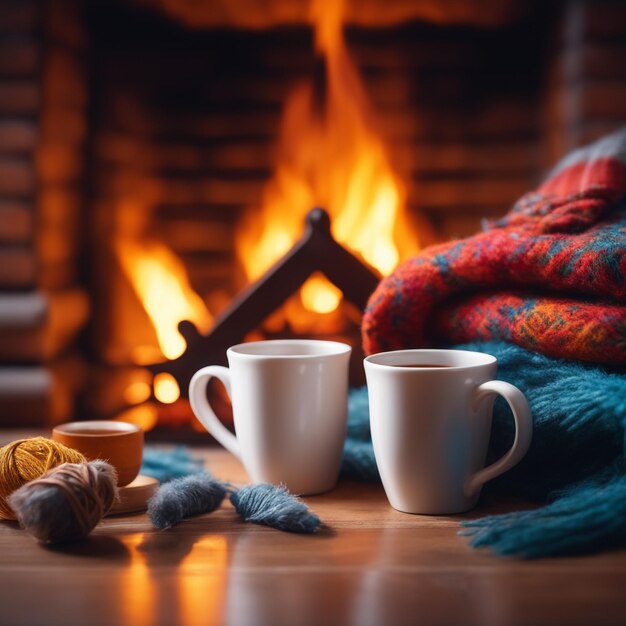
point(137, 392)
point(145, 355)
point(145, 415)
point(330, 155)
point(202, 579)
point(137, 597)
point(166, 388)
point(319, 295)
point(160, 281)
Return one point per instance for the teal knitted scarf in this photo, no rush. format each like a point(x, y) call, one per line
point(575, 466)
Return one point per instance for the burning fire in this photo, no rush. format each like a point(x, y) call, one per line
point(160, 281)
point(331, 156)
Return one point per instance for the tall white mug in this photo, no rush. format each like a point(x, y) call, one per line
point(290, 402)
point(430, 417)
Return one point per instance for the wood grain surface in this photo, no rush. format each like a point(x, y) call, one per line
point(370, 565)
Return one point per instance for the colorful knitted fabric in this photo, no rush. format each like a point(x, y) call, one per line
point(550, 276)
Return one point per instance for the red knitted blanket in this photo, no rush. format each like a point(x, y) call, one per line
point(550, 276)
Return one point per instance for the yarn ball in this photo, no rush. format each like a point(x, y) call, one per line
point(27, 459)
point(67, 502)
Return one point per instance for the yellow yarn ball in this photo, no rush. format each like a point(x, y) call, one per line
point(27, 459)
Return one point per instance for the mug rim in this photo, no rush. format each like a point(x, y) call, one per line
point(81, 429)
point(332, 348)
point(481, 359)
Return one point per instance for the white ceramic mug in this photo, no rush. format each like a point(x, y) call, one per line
point(290, 402)
point(430, 417)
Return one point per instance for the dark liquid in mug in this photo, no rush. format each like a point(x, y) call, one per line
point(420, 365)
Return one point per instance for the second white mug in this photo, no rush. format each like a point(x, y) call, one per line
point(430, 417)
point(289, 402)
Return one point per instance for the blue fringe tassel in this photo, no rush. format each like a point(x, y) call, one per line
point(189, 492)
point(588, 518)
point(185, 497)
point(166, 465)
point(275, 507)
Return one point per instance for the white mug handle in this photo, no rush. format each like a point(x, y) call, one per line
point(203, 411)
point(523, 433)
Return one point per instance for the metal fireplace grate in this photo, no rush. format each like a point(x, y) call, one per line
point(316, 251)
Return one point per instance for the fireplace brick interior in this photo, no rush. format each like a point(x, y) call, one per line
point(121, 118)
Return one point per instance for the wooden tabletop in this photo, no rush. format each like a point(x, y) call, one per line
point(371, 565)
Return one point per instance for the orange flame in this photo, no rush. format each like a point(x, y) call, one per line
point(329, 155)
point(160, 281)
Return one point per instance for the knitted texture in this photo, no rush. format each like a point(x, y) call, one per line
point(575, 464)
point(549, 276)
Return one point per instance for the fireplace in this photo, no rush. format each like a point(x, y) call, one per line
point(138, 138)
